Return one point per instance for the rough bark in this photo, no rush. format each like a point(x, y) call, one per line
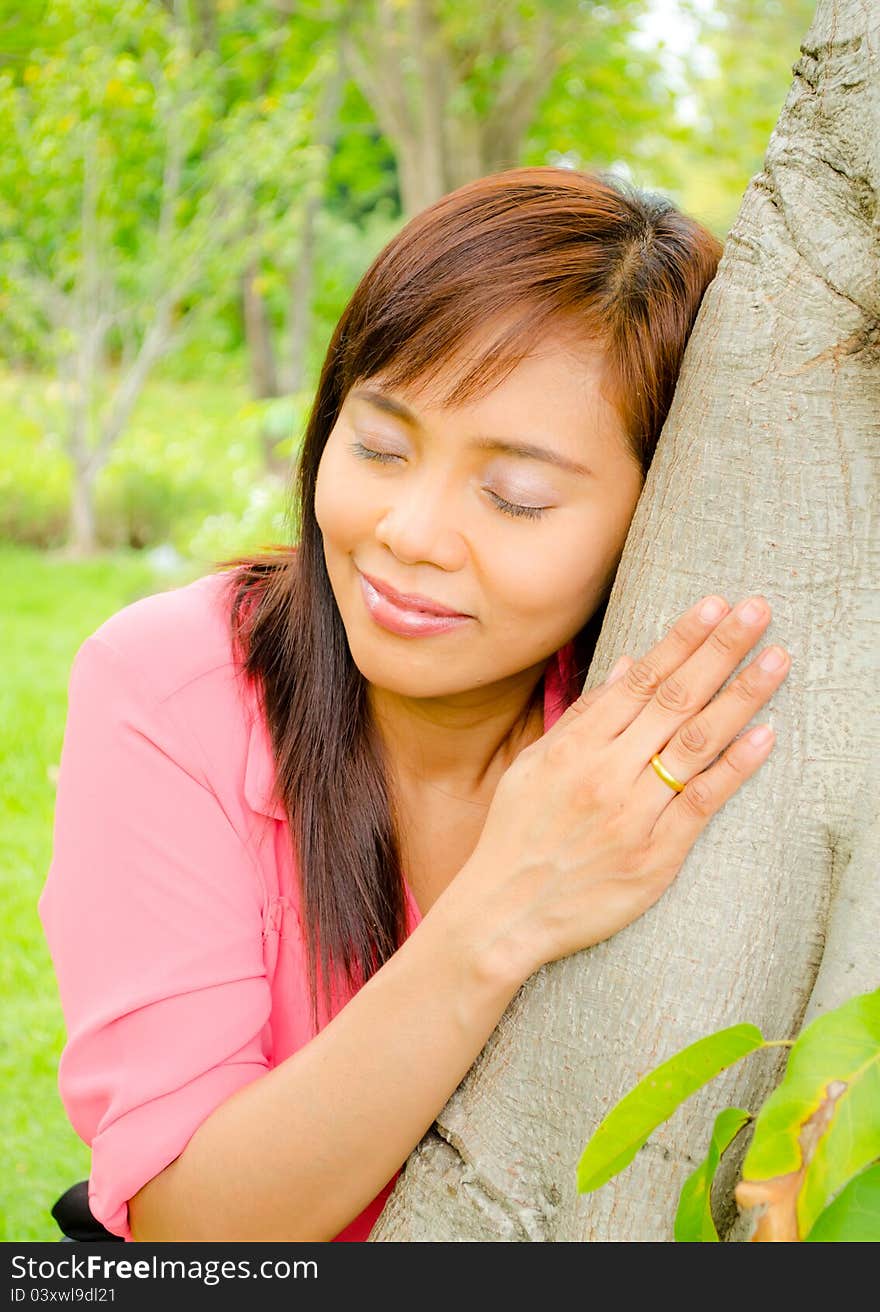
point(763, 481)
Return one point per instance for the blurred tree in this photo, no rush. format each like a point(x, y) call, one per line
point(611, 104)
point(269, 50)
point(128, 196)
point(457, 89)
point(27, 27)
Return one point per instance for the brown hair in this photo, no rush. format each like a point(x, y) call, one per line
point(549, 245)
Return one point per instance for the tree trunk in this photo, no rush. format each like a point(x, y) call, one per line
point(301, 283)
point(411, 70)
point(258, 335)
point(82, 537)
point(763, 482)
point(299, 301)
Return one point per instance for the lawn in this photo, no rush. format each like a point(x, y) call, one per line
point(49, 606)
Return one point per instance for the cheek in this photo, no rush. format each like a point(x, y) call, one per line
point(336, 501)
point(554, 572)
point(545, 592)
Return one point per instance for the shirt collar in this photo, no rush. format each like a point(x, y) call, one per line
point(259, 773)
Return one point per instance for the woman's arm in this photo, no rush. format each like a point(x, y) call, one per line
point(154, 916)
point(581, 837)
point(309, 1144)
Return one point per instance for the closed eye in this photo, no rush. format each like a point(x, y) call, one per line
point(511, 507)
point(506, 507)
point(366, 453)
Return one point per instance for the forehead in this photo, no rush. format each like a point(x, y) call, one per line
point(507, 355)
point(557, 387)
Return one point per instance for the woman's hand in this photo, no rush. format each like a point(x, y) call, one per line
point(582, 835)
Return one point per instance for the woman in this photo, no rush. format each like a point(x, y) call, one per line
point(320, 814)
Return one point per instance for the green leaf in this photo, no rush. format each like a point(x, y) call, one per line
point(693, 1219)
point(854, 1215)
point(627, 1126)
point(824, 1117)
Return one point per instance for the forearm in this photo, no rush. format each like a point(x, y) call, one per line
point(312, 1142)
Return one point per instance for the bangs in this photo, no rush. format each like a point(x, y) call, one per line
point(509, 255)
point(475, 284)
point(454, 346)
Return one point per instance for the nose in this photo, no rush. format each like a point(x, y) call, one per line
point(421, 523)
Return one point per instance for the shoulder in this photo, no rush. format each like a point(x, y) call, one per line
point(165, 666)
point(171, 638)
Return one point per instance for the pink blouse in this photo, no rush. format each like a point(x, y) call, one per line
point(170, 906)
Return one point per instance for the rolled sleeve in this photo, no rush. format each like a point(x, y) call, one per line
point(153, 913)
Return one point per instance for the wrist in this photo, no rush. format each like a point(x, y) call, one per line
point(490, 947)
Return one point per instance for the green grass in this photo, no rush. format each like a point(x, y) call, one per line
point(48, 606)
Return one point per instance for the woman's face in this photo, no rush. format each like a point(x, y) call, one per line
point(446, 504)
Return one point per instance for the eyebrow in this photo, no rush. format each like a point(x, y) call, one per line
point(525, 450)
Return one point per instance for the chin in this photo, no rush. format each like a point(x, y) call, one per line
point(404, 678)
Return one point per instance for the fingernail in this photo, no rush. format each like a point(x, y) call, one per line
point(616, 670)
point(712, 609)
point(752, 610)
point(761, 736)
point(772, 659)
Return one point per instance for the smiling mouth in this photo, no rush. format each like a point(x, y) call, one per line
point(409, 603)
point(405, 622)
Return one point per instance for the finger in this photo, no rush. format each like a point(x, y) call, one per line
point(612, 713)
point(700, 739)
point(685, 817)
point(587, 699)
point(694, 747)
point(684, 692)
point(618, 669)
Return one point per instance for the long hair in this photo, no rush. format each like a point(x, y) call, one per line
point(535, 247)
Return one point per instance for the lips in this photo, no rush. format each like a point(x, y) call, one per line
point(402, 620)
point(412, 601)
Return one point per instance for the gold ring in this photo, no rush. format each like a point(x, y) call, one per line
point(665, 775)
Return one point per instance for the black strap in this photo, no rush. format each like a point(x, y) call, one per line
point(75, 1219)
